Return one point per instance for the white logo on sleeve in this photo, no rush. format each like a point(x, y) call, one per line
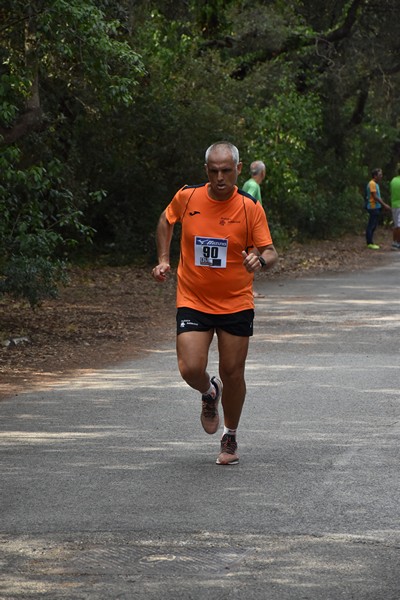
point(210, 252)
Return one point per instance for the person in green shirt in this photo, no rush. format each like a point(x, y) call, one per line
point(252, 185)
point(395, 204)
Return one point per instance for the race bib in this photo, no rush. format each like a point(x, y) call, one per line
point(210, 252)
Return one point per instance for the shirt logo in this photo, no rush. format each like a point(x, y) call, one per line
point(195, 212)
point(225, 220)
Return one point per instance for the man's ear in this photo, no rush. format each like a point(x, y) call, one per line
point(239, 167)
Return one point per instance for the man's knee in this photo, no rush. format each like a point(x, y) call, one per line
point(185, 369)
point(232, 372)
point(190, 370)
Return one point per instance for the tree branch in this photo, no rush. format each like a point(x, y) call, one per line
point(345, 29)
point(297, 41)
point(31, 118)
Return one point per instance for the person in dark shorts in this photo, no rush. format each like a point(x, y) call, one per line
point(221, 226)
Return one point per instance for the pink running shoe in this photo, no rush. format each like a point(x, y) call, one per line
point(228, 454)
point(209, 413)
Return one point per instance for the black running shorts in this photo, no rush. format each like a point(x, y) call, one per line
point(239, 323)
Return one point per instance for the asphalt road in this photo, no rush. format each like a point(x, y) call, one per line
point(109, 487)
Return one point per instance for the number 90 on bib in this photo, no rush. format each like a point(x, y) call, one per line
point(210, 252)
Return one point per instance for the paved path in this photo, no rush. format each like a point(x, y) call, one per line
point(109, 487)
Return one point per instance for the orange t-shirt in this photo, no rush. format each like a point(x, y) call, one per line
point(211, 275)
point(374, 187)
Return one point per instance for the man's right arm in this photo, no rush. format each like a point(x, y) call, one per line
point(377, 199)
point(163, 239)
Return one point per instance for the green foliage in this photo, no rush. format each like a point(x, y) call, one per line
point(261, 75)
point(38, 216)
point(284, 135)
point(32, 278)
point(160, 145)
point(107, 108)
point(64, 65)
point(73, 42)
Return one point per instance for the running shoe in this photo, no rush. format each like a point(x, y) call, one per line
point(373, 246)
point(395, 246)
point(228, 454)
point(209, 413)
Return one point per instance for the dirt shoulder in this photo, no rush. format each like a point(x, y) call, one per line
point(108, 315)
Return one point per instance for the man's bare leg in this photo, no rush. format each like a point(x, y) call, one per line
point(192, 349)
point(232, 360)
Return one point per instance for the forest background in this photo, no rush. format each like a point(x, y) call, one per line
point(107, 107)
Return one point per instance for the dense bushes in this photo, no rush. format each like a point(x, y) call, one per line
point(107, 108)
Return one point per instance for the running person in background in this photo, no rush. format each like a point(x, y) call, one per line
point(395, 203)
point(374, 207)
point(220, 227)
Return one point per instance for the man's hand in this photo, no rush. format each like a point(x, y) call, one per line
point(160, 271)
point(251, 262)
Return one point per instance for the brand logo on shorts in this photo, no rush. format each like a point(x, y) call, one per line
point(185, 322)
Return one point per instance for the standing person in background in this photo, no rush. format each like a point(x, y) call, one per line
point(252, 186)
point(374, 207)
point(220, 227)
point(395, 203)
